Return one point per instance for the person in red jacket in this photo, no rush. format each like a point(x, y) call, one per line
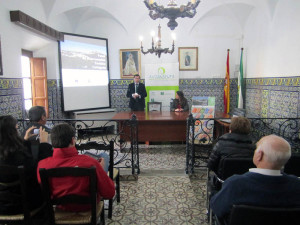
point(66, 155)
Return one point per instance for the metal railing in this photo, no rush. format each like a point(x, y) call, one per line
point(124, 134)
point(202, 134)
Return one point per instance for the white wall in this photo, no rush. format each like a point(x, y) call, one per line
point(268, 31)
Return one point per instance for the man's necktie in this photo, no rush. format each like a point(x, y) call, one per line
point(136, 87)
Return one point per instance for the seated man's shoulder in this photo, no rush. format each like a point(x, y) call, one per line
point(238, 179)
point(87, 161)
point(292, 178)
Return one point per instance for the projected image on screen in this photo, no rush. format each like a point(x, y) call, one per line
point(84, 73)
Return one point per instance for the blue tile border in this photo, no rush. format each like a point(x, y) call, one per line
point(265, 97)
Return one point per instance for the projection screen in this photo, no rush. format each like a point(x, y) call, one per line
point(84, 72)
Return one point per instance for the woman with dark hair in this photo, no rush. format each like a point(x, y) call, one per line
point(14, 151)
point(180, 103)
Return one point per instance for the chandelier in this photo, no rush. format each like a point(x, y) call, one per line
point(172, 12)
point(156, 47)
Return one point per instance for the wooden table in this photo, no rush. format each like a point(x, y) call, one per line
point(158, 126)
point(166, 126)
point(220, 126)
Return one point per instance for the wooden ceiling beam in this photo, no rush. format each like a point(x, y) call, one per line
point(34, 25)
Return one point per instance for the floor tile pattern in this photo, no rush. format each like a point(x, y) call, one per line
point(162, 194)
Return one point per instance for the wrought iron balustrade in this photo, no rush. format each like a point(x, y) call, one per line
point(202, 135)
point(124, 134)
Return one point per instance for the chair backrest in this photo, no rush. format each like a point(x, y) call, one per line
point(250, 215)
point(154, 106)
point(231, 166)
point(17, 181)
point(51, 201)
point(100, 146)
point(293, 165)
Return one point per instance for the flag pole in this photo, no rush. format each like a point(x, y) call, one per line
point(241, 89)
point(227, 86)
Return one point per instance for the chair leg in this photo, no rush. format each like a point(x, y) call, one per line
point(102, 216)
point(210, 217)
point(110, 208)
point(207, 189)
point(118, 186)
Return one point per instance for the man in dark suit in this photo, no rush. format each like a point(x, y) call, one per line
point(136, 93)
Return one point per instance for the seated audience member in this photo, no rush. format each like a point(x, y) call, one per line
point(37, 117)
point(180, 103)
point(263, 186)
point(66, 155)
point(16, 152)
point(235, 144)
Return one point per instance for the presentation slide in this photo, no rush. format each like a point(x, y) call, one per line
point(84, 72)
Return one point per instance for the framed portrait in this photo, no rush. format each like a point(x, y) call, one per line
point(188, 58)
point(130, 62)
point(1, 67)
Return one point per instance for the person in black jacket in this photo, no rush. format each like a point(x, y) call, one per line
point(235, 144)
point(14, 151)
point(38, 118)
point(180, 103)
point(136, 93)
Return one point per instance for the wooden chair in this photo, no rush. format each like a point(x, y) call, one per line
point(250, 215)
point(19, 182)
point(113, 172)
point(57, 216)
point(154, 106)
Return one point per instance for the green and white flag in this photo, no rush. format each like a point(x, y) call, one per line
point(241, 83)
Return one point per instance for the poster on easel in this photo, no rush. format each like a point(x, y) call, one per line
point(203, 110)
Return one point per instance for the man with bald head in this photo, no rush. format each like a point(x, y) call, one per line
point(264, 185)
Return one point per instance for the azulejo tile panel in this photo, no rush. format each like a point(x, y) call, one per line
point(11, 98)
point(190, 87)
point(54, 99)
point(11, 105)
point(275, 81)
point(283, 104)
point(277, 97)
point(209, 87)
point(265, 103)
point(266, 97)
point(253, 102)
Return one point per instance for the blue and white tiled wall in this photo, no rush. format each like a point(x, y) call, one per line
point(11, 95)
point(190, 88)
point(273, 97)
point(265, 97)
point(11, 98)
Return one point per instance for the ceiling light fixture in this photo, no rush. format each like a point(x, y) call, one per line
point(156, 46)
point(172, 12)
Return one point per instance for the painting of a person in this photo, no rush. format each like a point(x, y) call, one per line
point(187, 60)
point(130, 67)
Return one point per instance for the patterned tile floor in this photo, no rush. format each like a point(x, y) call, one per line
point(162, 194)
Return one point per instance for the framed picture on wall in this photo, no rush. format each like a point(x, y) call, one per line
point(188, 58)
point(130, 62)
point(1, 67)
